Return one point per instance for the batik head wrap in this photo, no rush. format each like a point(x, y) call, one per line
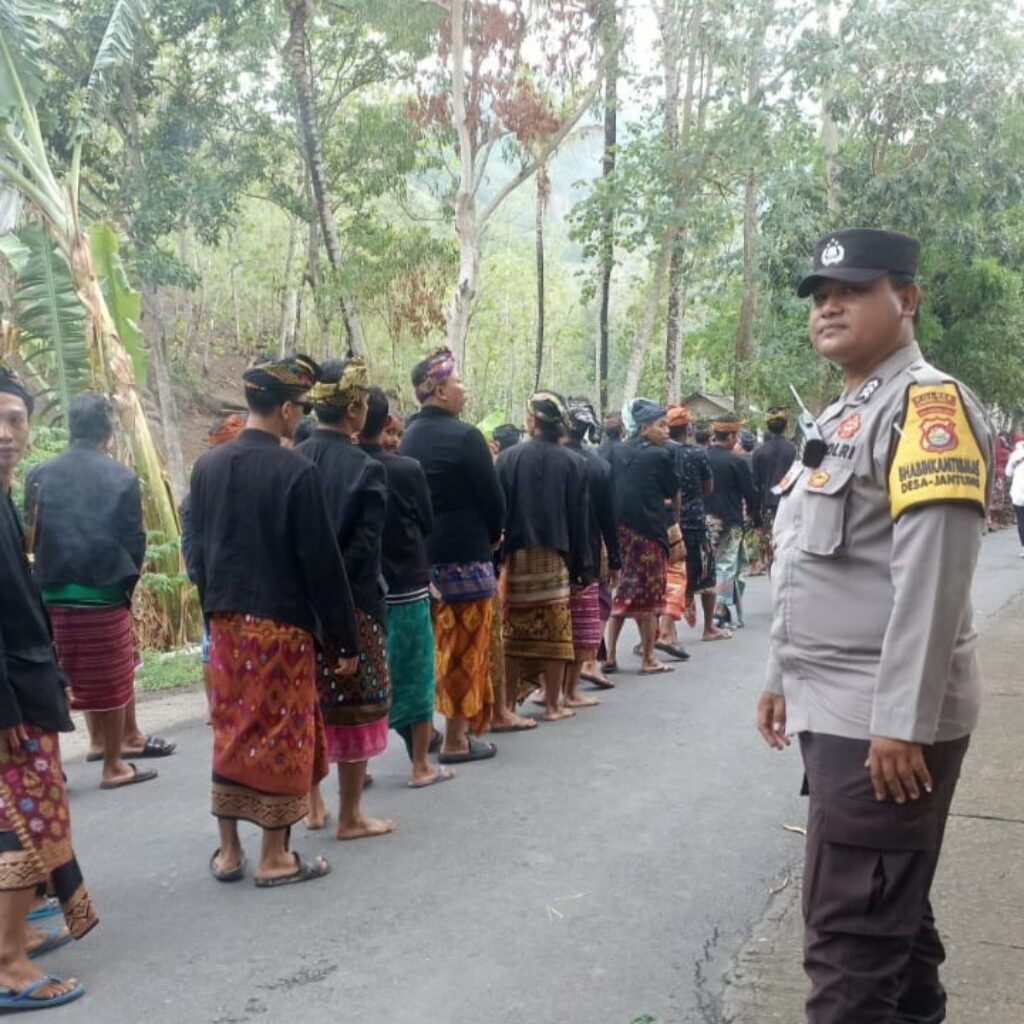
point(224, 430)
point(547, 407)
point(777, 414)
point(583, 418)
point(678, 416)
point(728, 424)
point(10, 384)
point(288, 378)
point(439, 367)
point(645, 412)
point(353, 382)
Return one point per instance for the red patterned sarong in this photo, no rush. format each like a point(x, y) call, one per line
point(641, 590)
point(587, 625)
point(35, 829)
point(96, 648)
point(268, 734)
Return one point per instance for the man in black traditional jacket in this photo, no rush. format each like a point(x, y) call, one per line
point(35, 831)
point(355, 706)
point(273, 585)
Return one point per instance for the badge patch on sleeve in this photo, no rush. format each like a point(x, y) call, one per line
point(937, 457)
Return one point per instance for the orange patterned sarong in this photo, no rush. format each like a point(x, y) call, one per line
point(462, 639)
point(269, 745)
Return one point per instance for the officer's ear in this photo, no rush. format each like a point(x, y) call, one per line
point(910, 296)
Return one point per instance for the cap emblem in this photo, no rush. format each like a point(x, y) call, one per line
point(833, 254)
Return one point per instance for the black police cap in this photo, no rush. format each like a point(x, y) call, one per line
point(860, 255)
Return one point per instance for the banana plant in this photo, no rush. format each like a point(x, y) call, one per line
point(72, 295)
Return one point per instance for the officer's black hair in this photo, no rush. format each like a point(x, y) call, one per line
point(899, 281)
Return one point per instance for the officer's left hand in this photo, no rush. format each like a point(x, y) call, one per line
point(896, 769)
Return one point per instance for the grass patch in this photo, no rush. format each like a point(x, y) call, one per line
point(169, 670)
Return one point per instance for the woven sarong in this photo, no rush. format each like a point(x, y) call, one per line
point(536, 620)
point(587, 624)
point(268, 734)
point(411, 663)
point(96, 648)
point(462, 640)
point(641, 590)
point(35, 829)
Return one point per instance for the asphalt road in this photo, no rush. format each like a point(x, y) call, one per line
point(598, 871)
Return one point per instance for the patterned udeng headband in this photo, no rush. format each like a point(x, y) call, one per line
point(355, 380)
point(289, 378)
point(548, 407)
point(439, 368)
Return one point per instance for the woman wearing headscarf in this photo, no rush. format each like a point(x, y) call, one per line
point(355, 707)
point(644, 485)
point(545, 549)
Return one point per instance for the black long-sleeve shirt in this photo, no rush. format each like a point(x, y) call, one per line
point(468, 503)
point(263, 543)
point(602, 509)
point(357, 497)
point(32, 685)
point(734, 488)
point(644, 479)
point(407, 523)
point(769, 463)
point(547, 502)
point(88, 512)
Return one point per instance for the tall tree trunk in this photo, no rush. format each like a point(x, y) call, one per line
point(642, 341)
point(606, 246)
point(159, 361)
point(672, 54)
point(299, 13)
point(745, 348)
point(543, 185)
point(289, 292)
point(829, 132)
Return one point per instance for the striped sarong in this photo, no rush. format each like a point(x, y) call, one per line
point(96, 648)
point(587, 624)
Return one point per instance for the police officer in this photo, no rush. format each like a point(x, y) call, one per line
point(872, 661)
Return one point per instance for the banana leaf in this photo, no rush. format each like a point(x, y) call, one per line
point(123, 302)
point(50, 316)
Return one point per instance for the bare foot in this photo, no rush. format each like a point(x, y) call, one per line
point(429, 776)
point(365, 828)
point(558, 715)
point(580, 701)
point(508, 721)
point(288, 864)
point(318, 815)
point(226, 864)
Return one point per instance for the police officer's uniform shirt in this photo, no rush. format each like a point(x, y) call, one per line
point(872, 632)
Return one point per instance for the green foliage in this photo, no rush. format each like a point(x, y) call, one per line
point(169, 670)
point(50, 317)
point(124, 303)
point(47, 441)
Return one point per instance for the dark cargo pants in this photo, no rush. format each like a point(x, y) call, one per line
point(871, 949)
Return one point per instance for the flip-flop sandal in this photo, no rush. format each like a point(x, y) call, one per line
point(673, 650)
point(56, 937)
point(439, 777)
point(48, 909)
point(609, 668)
point(156, 746)
point(236, 874)
point(723, 635)
point(601, 684)
point(25, 999)
point(527, 725)
point(478, 751)
point(306, 871)
point(656, 671)
point(136, 776)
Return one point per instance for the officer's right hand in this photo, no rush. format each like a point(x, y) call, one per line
point(771, 720)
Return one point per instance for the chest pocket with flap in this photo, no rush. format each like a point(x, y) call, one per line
point(824, 509)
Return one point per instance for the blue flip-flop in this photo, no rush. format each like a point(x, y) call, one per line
point(23, 1000)
point(48, 909)
point(54, 940)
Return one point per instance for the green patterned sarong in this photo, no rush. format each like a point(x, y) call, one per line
point(411, 663)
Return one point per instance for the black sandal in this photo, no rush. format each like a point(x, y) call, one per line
point(478, 751)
